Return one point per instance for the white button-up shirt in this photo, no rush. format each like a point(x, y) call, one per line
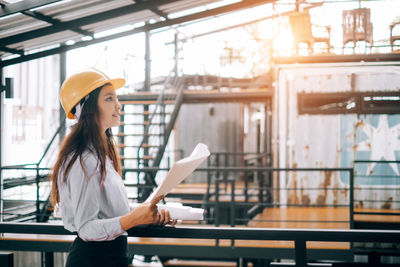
point(92, 210)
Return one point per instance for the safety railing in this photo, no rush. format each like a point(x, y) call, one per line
point(300, 237)
point(376, 190)
point(40, 175)
point(241, 196)
point(229, 200)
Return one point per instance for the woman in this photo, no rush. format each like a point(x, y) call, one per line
point(86, 180)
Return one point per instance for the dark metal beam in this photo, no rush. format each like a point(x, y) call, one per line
point(245, 23)
point(208, 96)
point(13, 51)
point(40, 16)
point(206, 232)
point(337, 58)
point(76, 23)
point(148, 27)
point(23, 6)
point(155, 10)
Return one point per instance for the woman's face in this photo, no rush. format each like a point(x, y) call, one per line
point(109, 108)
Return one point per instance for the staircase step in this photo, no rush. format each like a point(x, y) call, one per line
point(144, 146)
point(13, 182)
point(140, 123)
point(148, 134)
point(144, 102)
point(144, 113)
point(135, 158)
point(197, 263)
point(19, 210)
point(135, 113)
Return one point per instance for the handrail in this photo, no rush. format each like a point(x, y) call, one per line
point(151, 178)
point(62, 125)
point(18, 166)
point(160, 100)
point(174, 115)
point(37, 168)
point(376, 161)
point(299, 236)
point(147, 127)
point(209, 232)
point(151, 170)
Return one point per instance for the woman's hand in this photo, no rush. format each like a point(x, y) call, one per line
point(146, 213)
point(165, 218)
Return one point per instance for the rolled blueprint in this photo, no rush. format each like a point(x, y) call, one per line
point(179, 211)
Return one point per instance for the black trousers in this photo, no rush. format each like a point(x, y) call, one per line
point(98, 253)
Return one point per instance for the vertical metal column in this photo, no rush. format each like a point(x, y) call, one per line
point(1, 146)
point(268, 149)
point(301, 253)
point(121, 139)
point(63, 74)
point(147, 85)
point(143, 193)
point(176, 56)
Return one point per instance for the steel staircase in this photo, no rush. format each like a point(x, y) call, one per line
point(144, 133)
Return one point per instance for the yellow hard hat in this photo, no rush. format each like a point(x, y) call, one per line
point(80, 84)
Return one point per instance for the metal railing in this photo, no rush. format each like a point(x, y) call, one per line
point(41, 212)
point(214, 205)
point(300, 237)
point(379, 184)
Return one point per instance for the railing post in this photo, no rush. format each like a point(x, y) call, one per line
point(37, 193)
point(225, 173)
point(300, 252)
point(216, 202)
point(232, 202)
point(351, 208)
point(216, 207)
point(246, 187)
point(217, 163)
point(1, 147)
point(49, 259)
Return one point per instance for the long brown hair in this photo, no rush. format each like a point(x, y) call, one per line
point(85, 135)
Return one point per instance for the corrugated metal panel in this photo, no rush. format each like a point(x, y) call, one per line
point(19, 23)
point(337, 140)
point(182, 5)
point(121, 20)
point(74, 9)
point(82, 9)
point(49, 40)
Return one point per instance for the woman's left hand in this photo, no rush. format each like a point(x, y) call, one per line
point(165, 218)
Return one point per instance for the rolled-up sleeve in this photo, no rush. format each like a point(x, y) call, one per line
point(85, 193)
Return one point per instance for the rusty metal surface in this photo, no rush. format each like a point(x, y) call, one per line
point(337, 140)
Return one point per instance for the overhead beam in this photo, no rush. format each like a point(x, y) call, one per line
point(48, 19)
point(201, 97)
point(20, 6)
point(73, 24)
point(13, 51)
point(155, 10)
point(147, 27)
point(244, 24)
point(393, 57)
